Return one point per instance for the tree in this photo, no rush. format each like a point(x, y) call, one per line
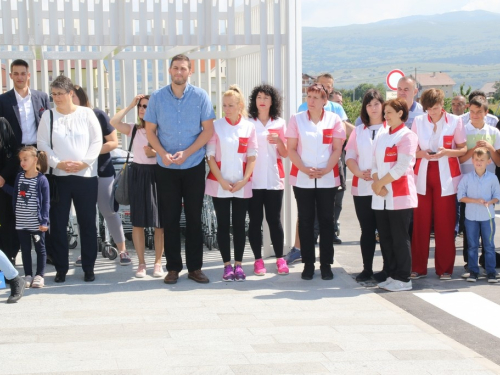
point(496, 95)
point(464, 92)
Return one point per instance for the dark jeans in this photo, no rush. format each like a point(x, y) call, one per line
point(393, 226)
point(38, 237)
point(83, 192)
point(9, 243)
point(321, 201)
point(368, 224)
point(225, 210)
point(271, 201)
point(175, 187)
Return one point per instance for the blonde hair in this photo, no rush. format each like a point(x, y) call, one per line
point(235, 92)
point(43, 161)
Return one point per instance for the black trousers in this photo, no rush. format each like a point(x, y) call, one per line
point(9, 242)
point(393, 227)
point(38, 237)
point(83, 192)
point(368, 224)
point(227, 210)
point(339, 196)
point(271, 201)
point(321, 201)
point(175, 187)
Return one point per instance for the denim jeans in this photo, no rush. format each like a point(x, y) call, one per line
point(487, 229)
point(6, 267)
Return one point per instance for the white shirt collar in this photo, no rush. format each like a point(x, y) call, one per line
point(20, 98)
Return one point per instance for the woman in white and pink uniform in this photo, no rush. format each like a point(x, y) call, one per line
point(394, 193)
point(231, 154)
point(441, 140)
point(268, 175)
point(314, 140)
point(359, 156)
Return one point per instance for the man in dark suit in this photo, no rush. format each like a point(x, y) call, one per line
point(22, 108)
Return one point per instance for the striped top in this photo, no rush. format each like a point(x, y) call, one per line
point(27, 204)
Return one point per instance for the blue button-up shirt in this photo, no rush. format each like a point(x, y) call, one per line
point(330, 106)
point(179, 121)
point(485, 187)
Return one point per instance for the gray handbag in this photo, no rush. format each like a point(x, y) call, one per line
point(120, 184)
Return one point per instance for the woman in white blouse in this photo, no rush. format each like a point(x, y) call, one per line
point(268, 175)
point(72, 138)
point(231, 154)
point(314, 140)
point(359, 156)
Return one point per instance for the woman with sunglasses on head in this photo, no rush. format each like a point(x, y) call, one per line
point(72, 139)
point(106, 174)
point(314, 142)
point(268, 175)
point(142, 185)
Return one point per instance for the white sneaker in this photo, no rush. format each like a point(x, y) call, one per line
point(38, 282)
point(141, 271)
point(398, 286)
point(386, 282)
point(27, 281)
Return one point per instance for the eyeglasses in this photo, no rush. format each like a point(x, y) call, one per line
point(142, 105)
point(58, 94)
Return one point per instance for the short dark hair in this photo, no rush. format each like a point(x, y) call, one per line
point(181, 57)
point(398, 104)
point(369, 96)
point(431, 97)
point(19, 62)
point(337, 93)
point(480, 151)
point(326, 75)
point(276, 101)
point(82, 96)
point(475, 93)
point(319, 89)
point(479, 102)
point(62, 82)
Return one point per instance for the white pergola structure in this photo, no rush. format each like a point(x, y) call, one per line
point(130, 42)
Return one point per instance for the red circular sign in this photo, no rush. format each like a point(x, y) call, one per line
point(393, 77)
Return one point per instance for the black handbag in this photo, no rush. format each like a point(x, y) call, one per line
point(120, 184)
point(54, 191)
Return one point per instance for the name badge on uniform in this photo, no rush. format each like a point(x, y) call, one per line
point(447, 141)
point(327, 136)
point(243, 145)
point(391, 154)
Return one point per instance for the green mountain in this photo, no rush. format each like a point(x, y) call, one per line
point(466, 45)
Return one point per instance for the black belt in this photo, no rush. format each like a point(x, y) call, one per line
point(26, 145)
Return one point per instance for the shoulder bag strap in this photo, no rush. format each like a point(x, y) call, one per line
point(131, 141)
point(51, 128)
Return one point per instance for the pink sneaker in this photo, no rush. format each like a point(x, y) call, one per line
point(258, 267)
point(282, 266)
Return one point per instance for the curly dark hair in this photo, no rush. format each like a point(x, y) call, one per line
point(276, 99)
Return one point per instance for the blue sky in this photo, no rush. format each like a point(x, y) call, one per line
point(329, 13)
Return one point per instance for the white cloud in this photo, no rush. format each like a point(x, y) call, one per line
point(490, 5)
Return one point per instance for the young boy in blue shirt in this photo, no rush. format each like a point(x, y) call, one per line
point(480, 190)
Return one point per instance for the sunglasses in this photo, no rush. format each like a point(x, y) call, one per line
point(142, 105)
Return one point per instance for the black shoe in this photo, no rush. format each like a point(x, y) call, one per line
point(364, 276)
point(308, 272)
point(336, 240)
point(326, 272)
point(60, 277)
point(17, 286)
point(89, 276)
point(49, 260)
point(380, 277)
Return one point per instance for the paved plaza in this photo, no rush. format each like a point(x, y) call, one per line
point(120, 325)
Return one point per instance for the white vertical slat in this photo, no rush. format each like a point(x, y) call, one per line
point(22, 20)
point(55, 69)
point(208, 78)
point(230, 21)
point(98, 23)
point(69, 24)
point(84, 22)
point(78, 70)
point(278, 80)
point(200, 21)
point(6, 21)
point(248, 21)
point(44, 70)
point(8, 83)
point(128, 25)
point(131, 87)
point(116, 21)
point(101, 88)
point(198, 72)
point(172, 23)
point(143, 24)
point(215, 22)
point(263, 41)
point(166, 74)
point(89, 75)
point(37, 27)
point(67, 66)
point(157, 27)
point(53, 23)
point(112, 86)
point(186, 22)
point(155, 79)
point(144, 76)
point(218, 85)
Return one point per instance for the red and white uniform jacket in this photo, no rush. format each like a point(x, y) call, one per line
point(315, 146)
point(360, 148)
point(231, 145)
point(452, 133)
point(394, 153)
point(268, 172)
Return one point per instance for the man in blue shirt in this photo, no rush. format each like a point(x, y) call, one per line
point(179, 123)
